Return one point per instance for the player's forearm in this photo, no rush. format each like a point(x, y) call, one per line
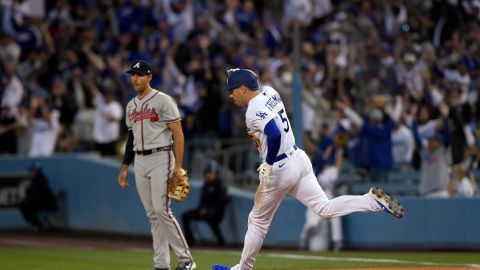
point(124, 167)
point(178, 142)
point(178, 148)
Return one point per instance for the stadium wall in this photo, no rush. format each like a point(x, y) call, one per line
point(94, 202)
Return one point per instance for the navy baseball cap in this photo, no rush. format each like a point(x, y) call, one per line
point(140, 67)
point(238, 77)
point(211, 166)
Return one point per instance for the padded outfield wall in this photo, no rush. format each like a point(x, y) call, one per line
point(94, 202)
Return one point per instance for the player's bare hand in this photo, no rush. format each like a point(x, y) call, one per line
point(122, 176)
point(177, 169)
point(122, 181)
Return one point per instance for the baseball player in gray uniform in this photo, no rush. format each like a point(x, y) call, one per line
point(156, 142)
point(286, 169)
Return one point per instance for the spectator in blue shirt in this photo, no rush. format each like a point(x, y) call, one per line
point(377, 130)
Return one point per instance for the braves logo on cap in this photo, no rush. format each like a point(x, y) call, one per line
point(141, 67)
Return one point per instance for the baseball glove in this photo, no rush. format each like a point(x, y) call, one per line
point(178, 186)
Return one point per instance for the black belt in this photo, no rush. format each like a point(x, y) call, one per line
point(154, 150)
point(284, 155)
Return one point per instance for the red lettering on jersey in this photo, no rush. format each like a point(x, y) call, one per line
point(135, 116)
point(154, 116)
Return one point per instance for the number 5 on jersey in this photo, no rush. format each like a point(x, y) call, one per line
point(284, 120)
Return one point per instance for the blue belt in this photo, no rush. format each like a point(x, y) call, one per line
point(284, 155)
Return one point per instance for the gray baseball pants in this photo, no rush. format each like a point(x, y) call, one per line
point(151, 176)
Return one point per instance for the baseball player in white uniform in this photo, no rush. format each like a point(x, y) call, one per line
point(156, 142)
point(286, 169)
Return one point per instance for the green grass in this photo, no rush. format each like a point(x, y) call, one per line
point(85, 259)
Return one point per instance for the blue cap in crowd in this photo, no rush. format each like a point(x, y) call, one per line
point(238, 77)
point(140, 67)
point(212, 166)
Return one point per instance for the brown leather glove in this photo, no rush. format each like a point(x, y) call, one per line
point(178, 186)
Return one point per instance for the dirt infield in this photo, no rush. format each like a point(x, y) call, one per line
point(60, 239)
point(83, 240)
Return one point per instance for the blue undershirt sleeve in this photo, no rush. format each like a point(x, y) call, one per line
point(274, 137)
point(129, 154)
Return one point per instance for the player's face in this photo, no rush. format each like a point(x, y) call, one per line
point(140, 82)
point(237, 95)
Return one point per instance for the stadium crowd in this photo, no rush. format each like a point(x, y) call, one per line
point(386, 84)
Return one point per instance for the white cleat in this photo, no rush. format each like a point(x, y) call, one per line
point(386, 202)
point(188, 265)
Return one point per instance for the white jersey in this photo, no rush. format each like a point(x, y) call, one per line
point(291, 174)
point(261, 109)
point(106, 127)
point(148, 118)
point(45, 134)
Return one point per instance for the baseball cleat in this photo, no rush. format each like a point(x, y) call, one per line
point(220, 267)
point(188, 265)
point(386, 202)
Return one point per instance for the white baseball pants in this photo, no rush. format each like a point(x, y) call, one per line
point(294, 176)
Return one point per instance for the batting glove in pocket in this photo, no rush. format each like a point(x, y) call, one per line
point(264, 171)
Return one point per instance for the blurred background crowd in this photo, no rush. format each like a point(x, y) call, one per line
point(387, 85)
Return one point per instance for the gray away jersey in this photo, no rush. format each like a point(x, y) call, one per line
point(148, 118)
